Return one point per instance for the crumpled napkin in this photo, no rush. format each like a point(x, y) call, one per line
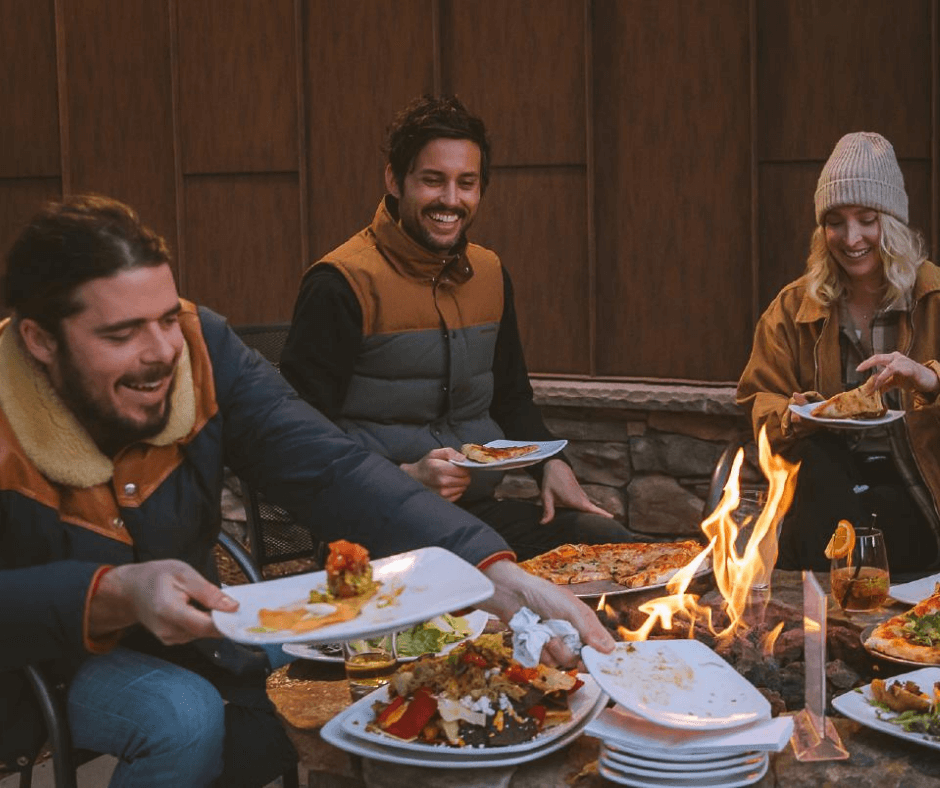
point(529, 635)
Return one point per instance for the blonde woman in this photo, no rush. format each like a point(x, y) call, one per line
point(868, 305)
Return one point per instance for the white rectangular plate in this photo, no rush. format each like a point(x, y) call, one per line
point(677, 684)
point(915, 591)
point(855, 705)
point(804, 412)
point(546, 449)
point(353, 721)
point(610, 771)
point(452, 758)
point(432, 581)
point(621, 730)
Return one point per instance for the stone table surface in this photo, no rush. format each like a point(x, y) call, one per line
point(317, 689)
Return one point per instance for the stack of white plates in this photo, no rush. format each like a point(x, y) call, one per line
point(686, 718)
point(348, 731)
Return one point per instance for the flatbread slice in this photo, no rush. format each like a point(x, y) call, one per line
point(864, 402)
point(478, 453)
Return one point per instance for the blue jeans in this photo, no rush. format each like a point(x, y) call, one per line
point(165, 724)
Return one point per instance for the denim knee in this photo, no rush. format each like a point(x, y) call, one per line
point(187, 714)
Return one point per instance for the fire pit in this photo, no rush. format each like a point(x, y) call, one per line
point(768, 650)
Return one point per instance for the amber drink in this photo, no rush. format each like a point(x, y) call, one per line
point(860, 581)
point(368, 666)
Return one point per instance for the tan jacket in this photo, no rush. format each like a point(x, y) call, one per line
point(796, 349)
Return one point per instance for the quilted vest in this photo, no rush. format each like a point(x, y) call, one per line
point(423, 378)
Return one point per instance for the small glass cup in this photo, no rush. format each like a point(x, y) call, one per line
point(860, 581)
point(745, 515)
point(369, 664)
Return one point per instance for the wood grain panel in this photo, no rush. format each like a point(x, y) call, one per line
point(787, 218)
point(673, 188)
point(534, 219)
point(238, 86)
point(384, 53)
point(529, 86)
point(19, 200)
point(119, 105)
point(243, 245)
point(29, 131)
point(828, 68)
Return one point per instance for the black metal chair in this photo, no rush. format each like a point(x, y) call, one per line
point(720, 475)
point(274, 536)
point(66, 759)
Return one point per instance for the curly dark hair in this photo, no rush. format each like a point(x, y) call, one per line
point(428, 118)
point(68, 243)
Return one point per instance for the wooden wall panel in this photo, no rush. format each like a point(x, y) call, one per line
point(238, 86)
point(826, 68)
point(534, 220)
point(242, 245)
point(672, 166)
point(364, 61)
point(19, 200)
point(119, 109)
point(29, 131)
point(529, 86)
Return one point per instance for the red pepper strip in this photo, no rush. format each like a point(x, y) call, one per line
point(521, 675)
point(419, 712)
point(473, 659)
point(577, 685)
point(389, 710)
point(537, 713)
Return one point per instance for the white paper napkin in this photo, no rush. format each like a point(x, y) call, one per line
point(529, 635)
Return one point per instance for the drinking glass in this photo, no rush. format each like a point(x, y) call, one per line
point(369, 664)
point(745, 515)
point(860, 580)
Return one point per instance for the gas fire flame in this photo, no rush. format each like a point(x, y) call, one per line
point(734, 573)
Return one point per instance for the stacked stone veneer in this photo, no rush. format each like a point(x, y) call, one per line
point(643, 452)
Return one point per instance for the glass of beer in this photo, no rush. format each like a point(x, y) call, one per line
point(860, 580)
point(369, 664)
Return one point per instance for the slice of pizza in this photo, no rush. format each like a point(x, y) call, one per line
point(913, 636)
point(864, 402)
point(478, 453)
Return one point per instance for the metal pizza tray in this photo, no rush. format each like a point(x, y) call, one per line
point(597, 588)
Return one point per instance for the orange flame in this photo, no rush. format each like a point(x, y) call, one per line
point(734, 573)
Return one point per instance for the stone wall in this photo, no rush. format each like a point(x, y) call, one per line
point(643, 452)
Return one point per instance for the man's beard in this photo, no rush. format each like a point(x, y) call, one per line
point(110, 430)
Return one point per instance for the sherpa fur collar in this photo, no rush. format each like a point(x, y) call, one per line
point(49, 433)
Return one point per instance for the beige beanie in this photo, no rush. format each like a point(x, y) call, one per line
point(862, 170)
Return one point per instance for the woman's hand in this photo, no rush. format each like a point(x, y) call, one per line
point(899, 371)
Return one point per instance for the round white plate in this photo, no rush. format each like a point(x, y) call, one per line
point(690, 780)
point(677, 684)
point(546, 449)
point(333, 652)
point(805, 411)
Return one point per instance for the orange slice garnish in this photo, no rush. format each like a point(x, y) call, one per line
point(842, 542)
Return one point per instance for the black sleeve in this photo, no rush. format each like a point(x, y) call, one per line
point(324, 340)
point(513, 407)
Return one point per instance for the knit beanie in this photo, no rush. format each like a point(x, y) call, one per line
point(862, 170)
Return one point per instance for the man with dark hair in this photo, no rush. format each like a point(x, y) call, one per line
point(120, 406)
point(406, 337)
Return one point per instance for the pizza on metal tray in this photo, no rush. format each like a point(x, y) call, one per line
point(914, 635)
point(631, 564)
